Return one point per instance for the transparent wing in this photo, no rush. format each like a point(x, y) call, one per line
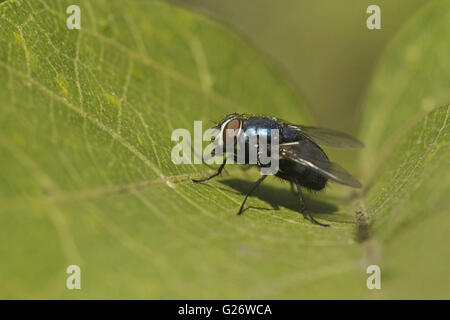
point(331, 170)
point(328, 137)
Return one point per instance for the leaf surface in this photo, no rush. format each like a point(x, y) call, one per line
point(87, 177)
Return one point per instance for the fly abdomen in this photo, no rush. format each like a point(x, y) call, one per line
point(294, 172)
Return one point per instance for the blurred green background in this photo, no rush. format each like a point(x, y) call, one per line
point(323, 46)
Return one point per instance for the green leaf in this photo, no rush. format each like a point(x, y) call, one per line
point(85, 135)
point(411, 80)
point(406, 163)
point(87, 179)
point(408, 206)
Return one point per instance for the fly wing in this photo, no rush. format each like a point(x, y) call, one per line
point(331, 170)
point(328, 137)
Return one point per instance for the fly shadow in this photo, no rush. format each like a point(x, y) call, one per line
point(280, 197)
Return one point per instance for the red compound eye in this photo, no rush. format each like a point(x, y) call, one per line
point(231, 130)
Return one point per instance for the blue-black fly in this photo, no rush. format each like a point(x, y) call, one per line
point(301, 160)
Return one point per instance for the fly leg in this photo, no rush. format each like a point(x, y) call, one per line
point(257, 183)
point(292, 187)
point(305, 210)
point(219, 171)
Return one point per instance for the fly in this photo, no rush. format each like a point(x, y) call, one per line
point(301, 160)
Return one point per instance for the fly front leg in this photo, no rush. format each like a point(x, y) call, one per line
point(219, 171)
point(257, 183)
point(305, 210)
